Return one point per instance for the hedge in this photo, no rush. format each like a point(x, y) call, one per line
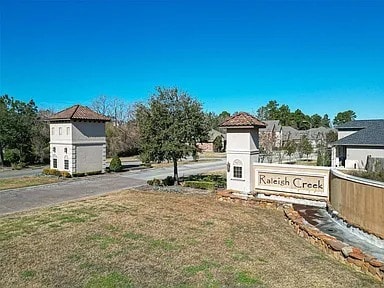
point(55, 172)
point(200, 185)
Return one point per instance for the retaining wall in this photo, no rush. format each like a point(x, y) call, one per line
point(358, 201)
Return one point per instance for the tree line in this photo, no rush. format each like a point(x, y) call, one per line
point(297, 119)
point(166, 127)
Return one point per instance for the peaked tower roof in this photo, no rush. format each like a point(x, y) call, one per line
point(243, 120)
point(78, 112)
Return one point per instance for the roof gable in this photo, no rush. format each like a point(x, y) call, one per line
point(370, 133)
point(242, 119)
point(78, 112)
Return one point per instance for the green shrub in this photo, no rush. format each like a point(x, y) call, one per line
point(48, 171)
point(115, 165)
point(200, 185)
point(93, 173)
point(169, 181)
point(376, 176)
point(12, 155)
point(65, 174)
point(18, 166)
point(154, 182)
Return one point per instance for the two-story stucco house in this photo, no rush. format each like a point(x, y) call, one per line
point(356, 141)
point(77, 140)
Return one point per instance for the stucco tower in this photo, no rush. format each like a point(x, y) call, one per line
point(242, 150)
point(77, 140)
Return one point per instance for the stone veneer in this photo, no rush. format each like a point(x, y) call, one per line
point(330, 245)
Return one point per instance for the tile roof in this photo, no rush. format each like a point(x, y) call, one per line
point(242, 119)
point(78, 112)
point(368, 133)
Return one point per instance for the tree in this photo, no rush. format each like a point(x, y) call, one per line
point(40, 136)
point(325, 121)
point(268, 112)
point(300, 120)
point(170, 125)
point(331, 137)
point(316, 121)
point(305, 147)
point(285, 115)
point(218, 144)
point(115, 108)
point(16, 120)
point(290, 147)
point(344, 117)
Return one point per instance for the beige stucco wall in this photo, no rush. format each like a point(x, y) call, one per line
point(60, 155)
point(357, 156)
point(89, 158)
point(66, 132)
point(88, 132)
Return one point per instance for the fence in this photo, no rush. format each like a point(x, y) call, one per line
point(359, 201)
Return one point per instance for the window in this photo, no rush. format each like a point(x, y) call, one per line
point(237, 172)
point(68, 130)
point(65, 150)
point(66, 164)
point(60, 130)
point(53, 130)
point(54, 149)
point(54, 163)
point(237, 169)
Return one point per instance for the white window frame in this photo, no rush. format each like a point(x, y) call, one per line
point(66, 164)
point(237, 164)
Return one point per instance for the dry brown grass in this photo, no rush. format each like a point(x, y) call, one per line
point(147, 239)
point(12, 183)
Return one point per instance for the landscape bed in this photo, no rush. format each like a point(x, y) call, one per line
point(152, 239)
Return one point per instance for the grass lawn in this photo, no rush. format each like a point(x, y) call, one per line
point(154, 239)
point(11, 183)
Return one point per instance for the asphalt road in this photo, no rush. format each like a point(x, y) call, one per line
point(22, 199)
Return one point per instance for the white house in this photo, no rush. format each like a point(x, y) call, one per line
point(242, 150)
point(356, 141)
point(77, 140)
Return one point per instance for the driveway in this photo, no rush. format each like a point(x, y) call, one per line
point(16, 200)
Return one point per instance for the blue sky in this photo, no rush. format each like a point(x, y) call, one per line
point(319, 56)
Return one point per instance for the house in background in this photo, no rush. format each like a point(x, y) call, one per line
point(289, 133)
point(270, 137)
point(77, 140)
point(358, 140)
point(207, 146)
point(318, 136)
